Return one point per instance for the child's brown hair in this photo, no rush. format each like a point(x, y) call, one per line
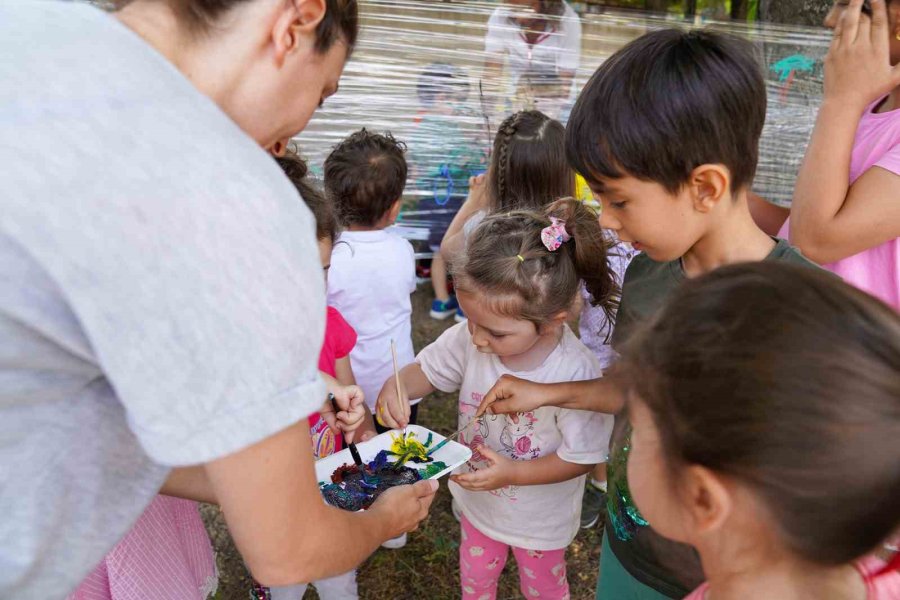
point(788, 380)
point(528, 163)
point(508, 264)
point(298, 173)
point(365, 175)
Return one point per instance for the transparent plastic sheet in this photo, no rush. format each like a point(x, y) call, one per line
point(419, 72)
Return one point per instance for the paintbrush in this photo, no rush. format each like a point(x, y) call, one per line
point(397, 379)
point(446, 440)
point(357, 459)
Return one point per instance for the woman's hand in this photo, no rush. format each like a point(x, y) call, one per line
point(858, 66)
point(345, 411)
point(403, 507)
point(499, 473)
point(390, 410)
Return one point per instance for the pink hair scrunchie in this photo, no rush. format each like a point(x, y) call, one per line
point(555, 235)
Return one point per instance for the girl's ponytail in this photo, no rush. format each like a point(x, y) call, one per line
point(529, 265)
point(588, 248)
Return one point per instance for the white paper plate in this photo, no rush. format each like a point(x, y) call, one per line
point(453, 454)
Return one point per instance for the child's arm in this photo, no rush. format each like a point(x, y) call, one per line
point(393, 411)
point(830, 219)
point(511, 395)
point(503, 471)
point(454, 240)
point(344, 371)
point(768, 216)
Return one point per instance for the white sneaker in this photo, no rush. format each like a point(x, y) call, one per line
point(395, 543)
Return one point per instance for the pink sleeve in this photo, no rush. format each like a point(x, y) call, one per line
point(344, 336)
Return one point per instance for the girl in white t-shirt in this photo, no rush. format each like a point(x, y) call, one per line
point(517, 280)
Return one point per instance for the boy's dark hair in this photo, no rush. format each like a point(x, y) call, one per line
point(298, 173)
point(364, 175)
point(667, 103)
point(787, 380)
point(528, 164)
point(507, 264)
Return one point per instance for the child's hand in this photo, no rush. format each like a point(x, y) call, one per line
point(478, 192)
point(347, 412)
point(501, 472)
point(390, 410)
point(858, 67)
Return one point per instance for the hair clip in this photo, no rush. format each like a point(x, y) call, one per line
point(520, 257)
point(555, 234)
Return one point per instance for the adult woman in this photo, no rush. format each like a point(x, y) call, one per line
point(161, 281)
point(540, 41)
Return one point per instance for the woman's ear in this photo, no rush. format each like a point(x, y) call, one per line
point(294, 26)
point(708, 185)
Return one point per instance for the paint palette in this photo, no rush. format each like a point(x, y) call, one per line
point(452, 454)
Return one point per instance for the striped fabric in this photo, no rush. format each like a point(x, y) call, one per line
point(166, 556)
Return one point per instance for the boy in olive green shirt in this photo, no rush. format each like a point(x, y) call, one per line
point(666, 135)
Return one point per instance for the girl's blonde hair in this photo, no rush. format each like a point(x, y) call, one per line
point(509, 266)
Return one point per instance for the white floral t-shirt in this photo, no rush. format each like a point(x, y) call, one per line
point(535, 517)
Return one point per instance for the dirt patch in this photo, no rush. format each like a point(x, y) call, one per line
point(428, 567)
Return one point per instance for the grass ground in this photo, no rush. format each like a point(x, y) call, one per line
point(427, 568)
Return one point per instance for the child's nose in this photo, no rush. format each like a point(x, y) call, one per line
point(607, 221)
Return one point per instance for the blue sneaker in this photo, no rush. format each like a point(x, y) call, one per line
point(442, 310)
point(460, 316)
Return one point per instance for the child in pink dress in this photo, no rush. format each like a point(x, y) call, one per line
point(165, 556)
point(846, 208)
point(784, 480)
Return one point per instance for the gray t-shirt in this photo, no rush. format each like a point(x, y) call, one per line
point(161, 298)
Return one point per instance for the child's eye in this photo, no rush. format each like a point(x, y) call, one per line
point(617, 205)
point(498, 336)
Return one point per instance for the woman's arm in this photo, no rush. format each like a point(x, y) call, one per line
point(830, 219)
point(190, 483)
point(287, 534)
point(502, 471)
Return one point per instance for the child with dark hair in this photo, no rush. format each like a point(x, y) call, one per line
point(334, 366)
point(372, 270)
point(785, 479)
point(517, 281)
point(666, 135)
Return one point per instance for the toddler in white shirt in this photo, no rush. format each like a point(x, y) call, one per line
point(372, 271)
point(517, 280)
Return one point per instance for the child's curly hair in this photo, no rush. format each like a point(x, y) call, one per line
point(508, 265)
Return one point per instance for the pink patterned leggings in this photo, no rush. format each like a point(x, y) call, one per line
point(542, 574)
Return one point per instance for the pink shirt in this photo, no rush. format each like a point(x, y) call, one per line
point(340, 338)
point(885, 586)
point(876, 270)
